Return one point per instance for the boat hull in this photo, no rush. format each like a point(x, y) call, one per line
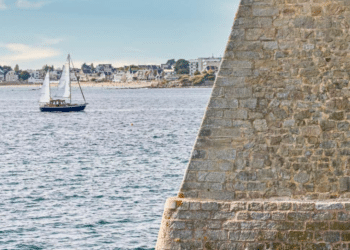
point(75, 108)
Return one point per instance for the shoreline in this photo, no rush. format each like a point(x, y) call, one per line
point(107, 85)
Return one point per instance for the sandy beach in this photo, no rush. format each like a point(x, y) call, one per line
point(127, 85)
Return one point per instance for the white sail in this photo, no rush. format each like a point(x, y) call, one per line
point(65, 81)
point(45, 89)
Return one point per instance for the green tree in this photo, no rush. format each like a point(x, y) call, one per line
point(83, 66)
point(6, 69)
point(47, 68)
point(182, 67)
point(16, 68)
point(171, 62)
point(92, 67)
point(24, 75)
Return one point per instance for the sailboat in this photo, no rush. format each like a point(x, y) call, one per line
point(64, 103)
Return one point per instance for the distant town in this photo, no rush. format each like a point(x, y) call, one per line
point(195, 70)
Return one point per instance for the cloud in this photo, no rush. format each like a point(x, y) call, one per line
point(25, 4)
point(3, 6)
point(25, 53)
point(51, 41)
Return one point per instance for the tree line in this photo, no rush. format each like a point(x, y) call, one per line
point(22, 74)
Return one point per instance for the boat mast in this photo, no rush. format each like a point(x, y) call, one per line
point(79, 83)
point(48, 71)
point(70, 82)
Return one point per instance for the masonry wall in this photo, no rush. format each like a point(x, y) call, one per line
point(277, 124)
point(274, 225)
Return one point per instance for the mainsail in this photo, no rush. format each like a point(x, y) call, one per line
point(45, 89)
point(65, 81)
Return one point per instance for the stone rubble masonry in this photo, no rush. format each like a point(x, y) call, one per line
point(252, 225)
point(277, 125)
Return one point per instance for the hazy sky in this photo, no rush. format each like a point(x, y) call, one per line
point(34, 33)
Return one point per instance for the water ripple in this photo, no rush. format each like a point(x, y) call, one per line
point(91, 180)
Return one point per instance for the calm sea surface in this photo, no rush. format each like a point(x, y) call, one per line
point(90, 180)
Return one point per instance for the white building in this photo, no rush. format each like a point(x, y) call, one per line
point(73, 77)
point(119, 76)
point(35, 80)
point(35, 74)
point(11, 76)
point(55, 74)
point(170, 75)
point(193, 64)
point(201, 64)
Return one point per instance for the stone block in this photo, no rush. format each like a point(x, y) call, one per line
point(260, 216)
point(278, 216)
point(220, 215)
point(317, 226)
point(331, 237)
point(270, 206)
point(222, 154)
point(302, 177)
point(344, 184)
point(322, 216)
point(299, 236)
point(238, 206)
point(311, 131)
point(298, 216)
point(246, 236)
point(240, 114)
point(260, 125)
point(340, 226)
point(234, 92)
point(265, 11)
point(211, 177)
point(255, 206)
point(248, 103)
point(212, 206)
point(329, 206)
point(181, 234)
point(232, 225)
point(230, 64)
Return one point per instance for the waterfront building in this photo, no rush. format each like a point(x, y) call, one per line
point(33, 80)
point(73, 77)
point(11, 76)
point(106, 68)
point(35, 74)
point(55, 75)
point(170, 75)
point(202, 63)
point(131, 75)
point(193, 65)
point(119, 76)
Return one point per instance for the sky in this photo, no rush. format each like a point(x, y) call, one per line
point(120, 32)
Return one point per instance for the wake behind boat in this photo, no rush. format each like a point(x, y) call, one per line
point(47, 104)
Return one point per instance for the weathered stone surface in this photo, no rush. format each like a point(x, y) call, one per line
point(305, 225)
point(277, 127)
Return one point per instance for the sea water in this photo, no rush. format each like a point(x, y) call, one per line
point(96, 179)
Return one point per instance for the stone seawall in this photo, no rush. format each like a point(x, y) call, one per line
point(252, 225)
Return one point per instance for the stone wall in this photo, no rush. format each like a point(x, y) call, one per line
point(253, 225)
point(277, 127)
point(277, 124)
